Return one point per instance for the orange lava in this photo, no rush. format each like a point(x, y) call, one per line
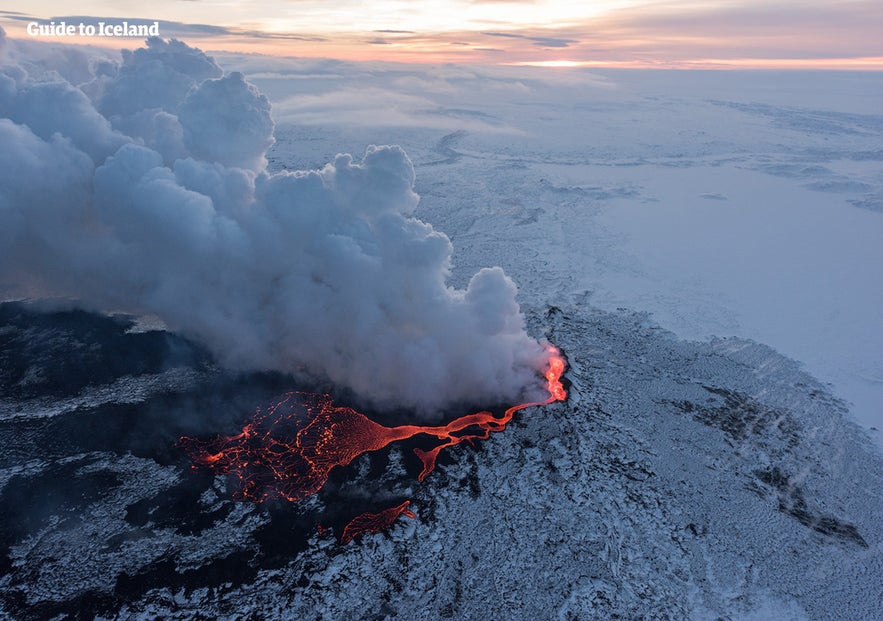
point(289, 449)
point(375, 522)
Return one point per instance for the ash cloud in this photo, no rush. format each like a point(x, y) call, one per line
point(144, 189)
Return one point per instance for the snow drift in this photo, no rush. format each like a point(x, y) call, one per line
point(144, 189)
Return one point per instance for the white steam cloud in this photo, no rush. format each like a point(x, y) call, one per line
point(144, 190)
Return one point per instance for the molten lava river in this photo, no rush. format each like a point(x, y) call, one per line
point(287, 453)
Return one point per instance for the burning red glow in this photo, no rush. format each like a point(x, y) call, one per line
point(375, 522)
point(283, 452)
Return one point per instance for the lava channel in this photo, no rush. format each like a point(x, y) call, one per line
point(374, 522)
point(289, 449)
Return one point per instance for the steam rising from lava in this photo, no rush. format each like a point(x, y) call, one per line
point(143, 188)
point(289, 449)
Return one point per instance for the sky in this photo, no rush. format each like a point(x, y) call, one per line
point(615, 33)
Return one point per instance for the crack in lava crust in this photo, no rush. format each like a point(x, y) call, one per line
point(289, 449)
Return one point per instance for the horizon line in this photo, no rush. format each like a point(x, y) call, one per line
point(428, 57)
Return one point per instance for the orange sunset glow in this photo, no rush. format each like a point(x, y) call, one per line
point(543, 33)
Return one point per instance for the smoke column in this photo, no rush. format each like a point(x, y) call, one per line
point(142, 187)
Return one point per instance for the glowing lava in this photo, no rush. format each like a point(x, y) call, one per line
point(289, 449)
point(375, 522)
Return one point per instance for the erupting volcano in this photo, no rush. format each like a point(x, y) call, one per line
point(289, 449)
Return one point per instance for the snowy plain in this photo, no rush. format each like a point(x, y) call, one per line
point(704, 246)
point(724, 203)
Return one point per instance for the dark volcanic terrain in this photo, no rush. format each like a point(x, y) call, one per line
point(680, 479)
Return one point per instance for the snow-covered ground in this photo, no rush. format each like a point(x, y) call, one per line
point(708, 478)
point(724, 203)
point(680, 480)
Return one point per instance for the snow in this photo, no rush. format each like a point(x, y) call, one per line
point(737, 203)
point(704, 247)
point(795, 272)
point(681, 480)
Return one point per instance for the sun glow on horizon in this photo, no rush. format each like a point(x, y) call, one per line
point(869, 63)
point(552, 63)
point(536, 33)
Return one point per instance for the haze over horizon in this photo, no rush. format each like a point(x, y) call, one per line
point(611, 33)
point(255, 278)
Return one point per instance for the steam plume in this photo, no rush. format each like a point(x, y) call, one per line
point(144, 189)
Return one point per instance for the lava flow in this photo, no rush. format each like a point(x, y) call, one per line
point(289, 449)
point(375, 522)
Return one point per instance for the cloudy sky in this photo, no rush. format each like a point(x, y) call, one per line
point(681, 33)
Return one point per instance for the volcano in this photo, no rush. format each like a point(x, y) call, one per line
point(704, 246)
point(289, 449)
